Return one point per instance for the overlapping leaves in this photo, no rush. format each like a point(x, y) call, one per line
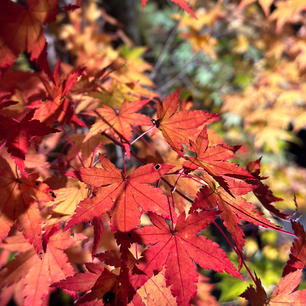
point(146, 250)
point(122, 194)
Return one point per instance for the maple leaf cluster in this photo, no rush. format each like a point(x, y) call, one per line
point(264, 107)
point(108, 189)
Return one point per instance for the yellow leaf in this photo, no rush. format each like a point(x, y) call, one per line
point(67, 198)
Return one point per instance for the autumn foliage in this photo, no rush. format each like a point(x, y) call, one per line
point(110, 191)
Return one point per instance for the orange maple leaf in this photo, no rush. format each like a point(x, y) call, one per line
point(213, 158)
point(119, 122)
point(123, 194)
point(179, 127)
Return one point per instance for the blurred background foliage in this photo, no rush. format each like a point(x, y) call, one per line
point(243, 59)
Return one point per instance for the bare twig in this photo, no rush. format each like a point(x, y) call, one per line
point(164, 51)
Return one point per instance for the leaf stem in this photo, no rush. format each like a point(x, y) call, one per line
point(285, 232)
point(194, 179)
point(179, 192)
point(124, 160)
point(181, 172)
point(149, 145)
point(141, 135)
point(236, 251)
point(170, 212)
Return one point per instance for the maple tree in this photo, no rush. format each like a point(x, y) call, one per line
point(110, 190)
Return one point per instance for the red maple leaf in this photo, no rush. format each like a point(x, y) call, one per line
point(82, 282)
point(19, 204)
point(179, 127)
point(55, 105)
point(256, 296)
point(36, 273)
point(285, 293)
point(233, 209)
point(21, 30)
point(297, 258)
point(263, 192)
point(18, 135)
point(214, 160)
point(102, 286)
point(178, 249)
point(123, 194)
point(85, 282)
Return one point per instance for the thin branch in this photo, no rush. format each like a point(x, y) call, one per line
point(178, 75)
point(179, 192)
point(164, 51)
